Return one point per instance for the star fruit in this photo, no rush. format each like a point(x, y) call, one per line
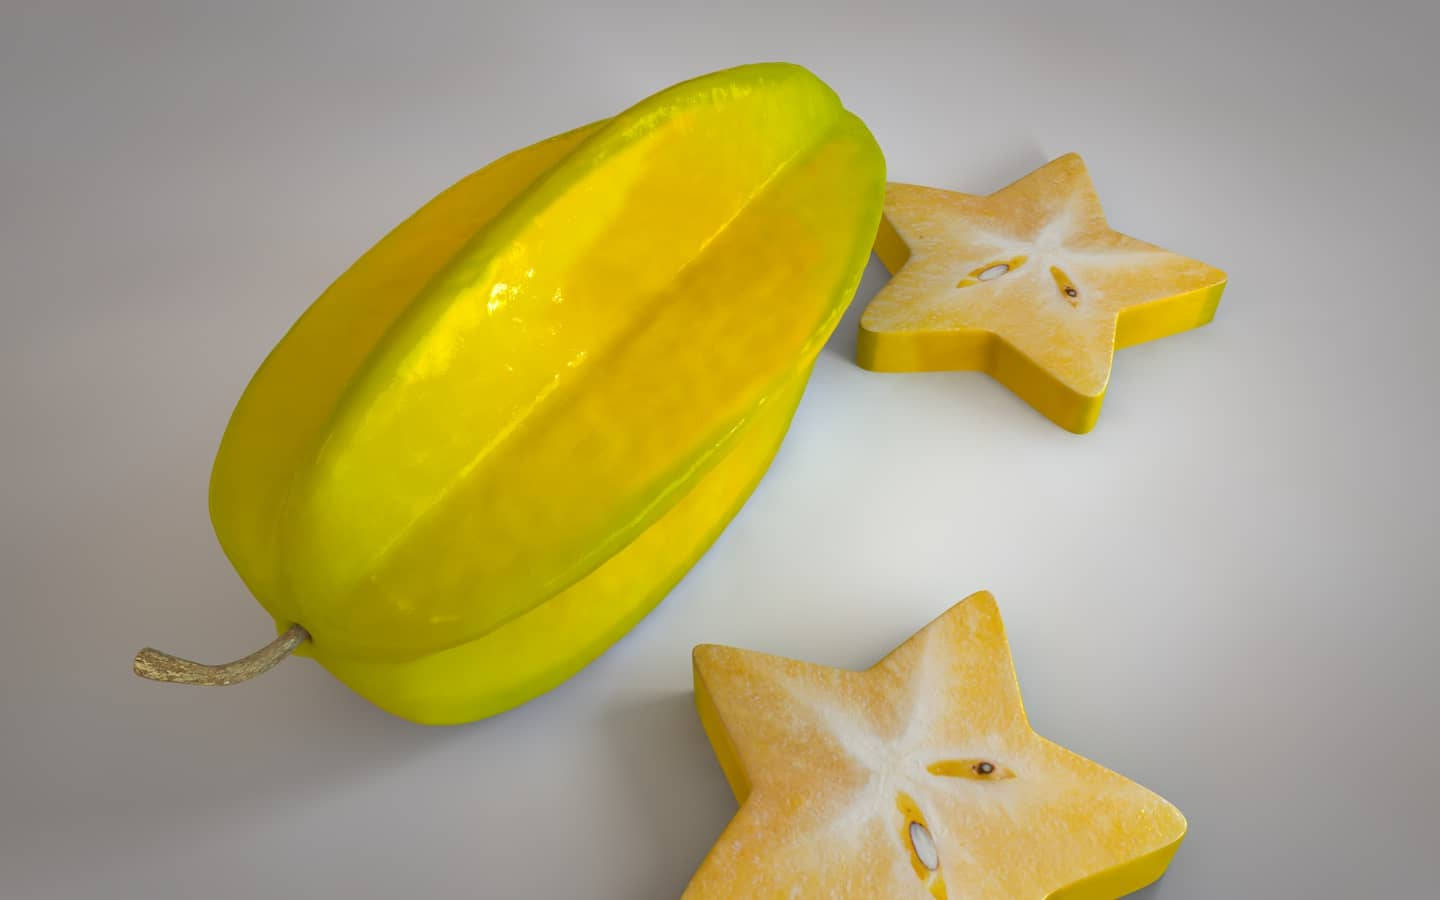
point(499, 439)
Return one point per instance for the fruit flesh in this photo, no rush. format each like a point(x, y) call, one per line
point(512, 422)
point(1030, 284)
point(920, 775)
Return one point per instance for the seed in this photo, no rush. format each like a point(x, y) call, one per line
point(924, 846)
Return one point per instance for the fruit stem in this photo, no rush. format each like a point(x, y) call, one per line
point(151, 663)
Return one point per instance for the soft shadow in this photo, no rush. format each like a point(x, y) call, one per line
point(213, 760)
point(842, 342)
point(676, 787)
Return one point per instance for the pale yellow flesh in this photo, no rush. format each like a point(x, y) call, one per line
point(920, 777)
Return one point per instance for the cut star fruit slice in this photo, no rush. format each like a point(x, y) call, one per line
point(1030, 284)
point(918, 777)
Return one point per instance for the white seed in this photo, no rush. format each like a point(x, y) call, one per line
point(924, 846)
point(994, 271)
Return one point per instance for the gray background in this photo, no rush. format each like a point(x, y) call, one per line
point(1227, 591)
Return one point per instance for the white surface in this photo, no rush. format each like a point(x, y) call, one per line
point(1227, 591)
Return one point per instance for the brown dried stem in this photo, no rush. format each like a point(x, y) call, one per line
point(151, 663)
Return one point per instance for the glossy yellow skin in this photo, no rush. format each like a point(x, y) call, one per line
point(499, 438)
point(919, 777)
point(548, 644)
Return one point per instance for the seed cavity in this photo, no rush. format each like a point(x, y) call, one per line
point(992, 270)
point(1066, 286)
point(974, 769)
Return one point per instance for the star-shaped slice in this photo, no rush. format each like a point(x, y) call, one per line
point(919, 777)
point(1029, 284)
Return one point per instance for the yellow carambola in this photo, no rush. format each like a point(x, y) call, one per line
point(500, 437)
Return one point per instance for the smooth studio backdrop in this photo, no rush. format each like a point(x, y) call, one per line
point(1227, 591)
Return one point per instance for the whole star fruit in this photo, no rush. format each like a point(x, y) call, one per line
point(500, 437)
